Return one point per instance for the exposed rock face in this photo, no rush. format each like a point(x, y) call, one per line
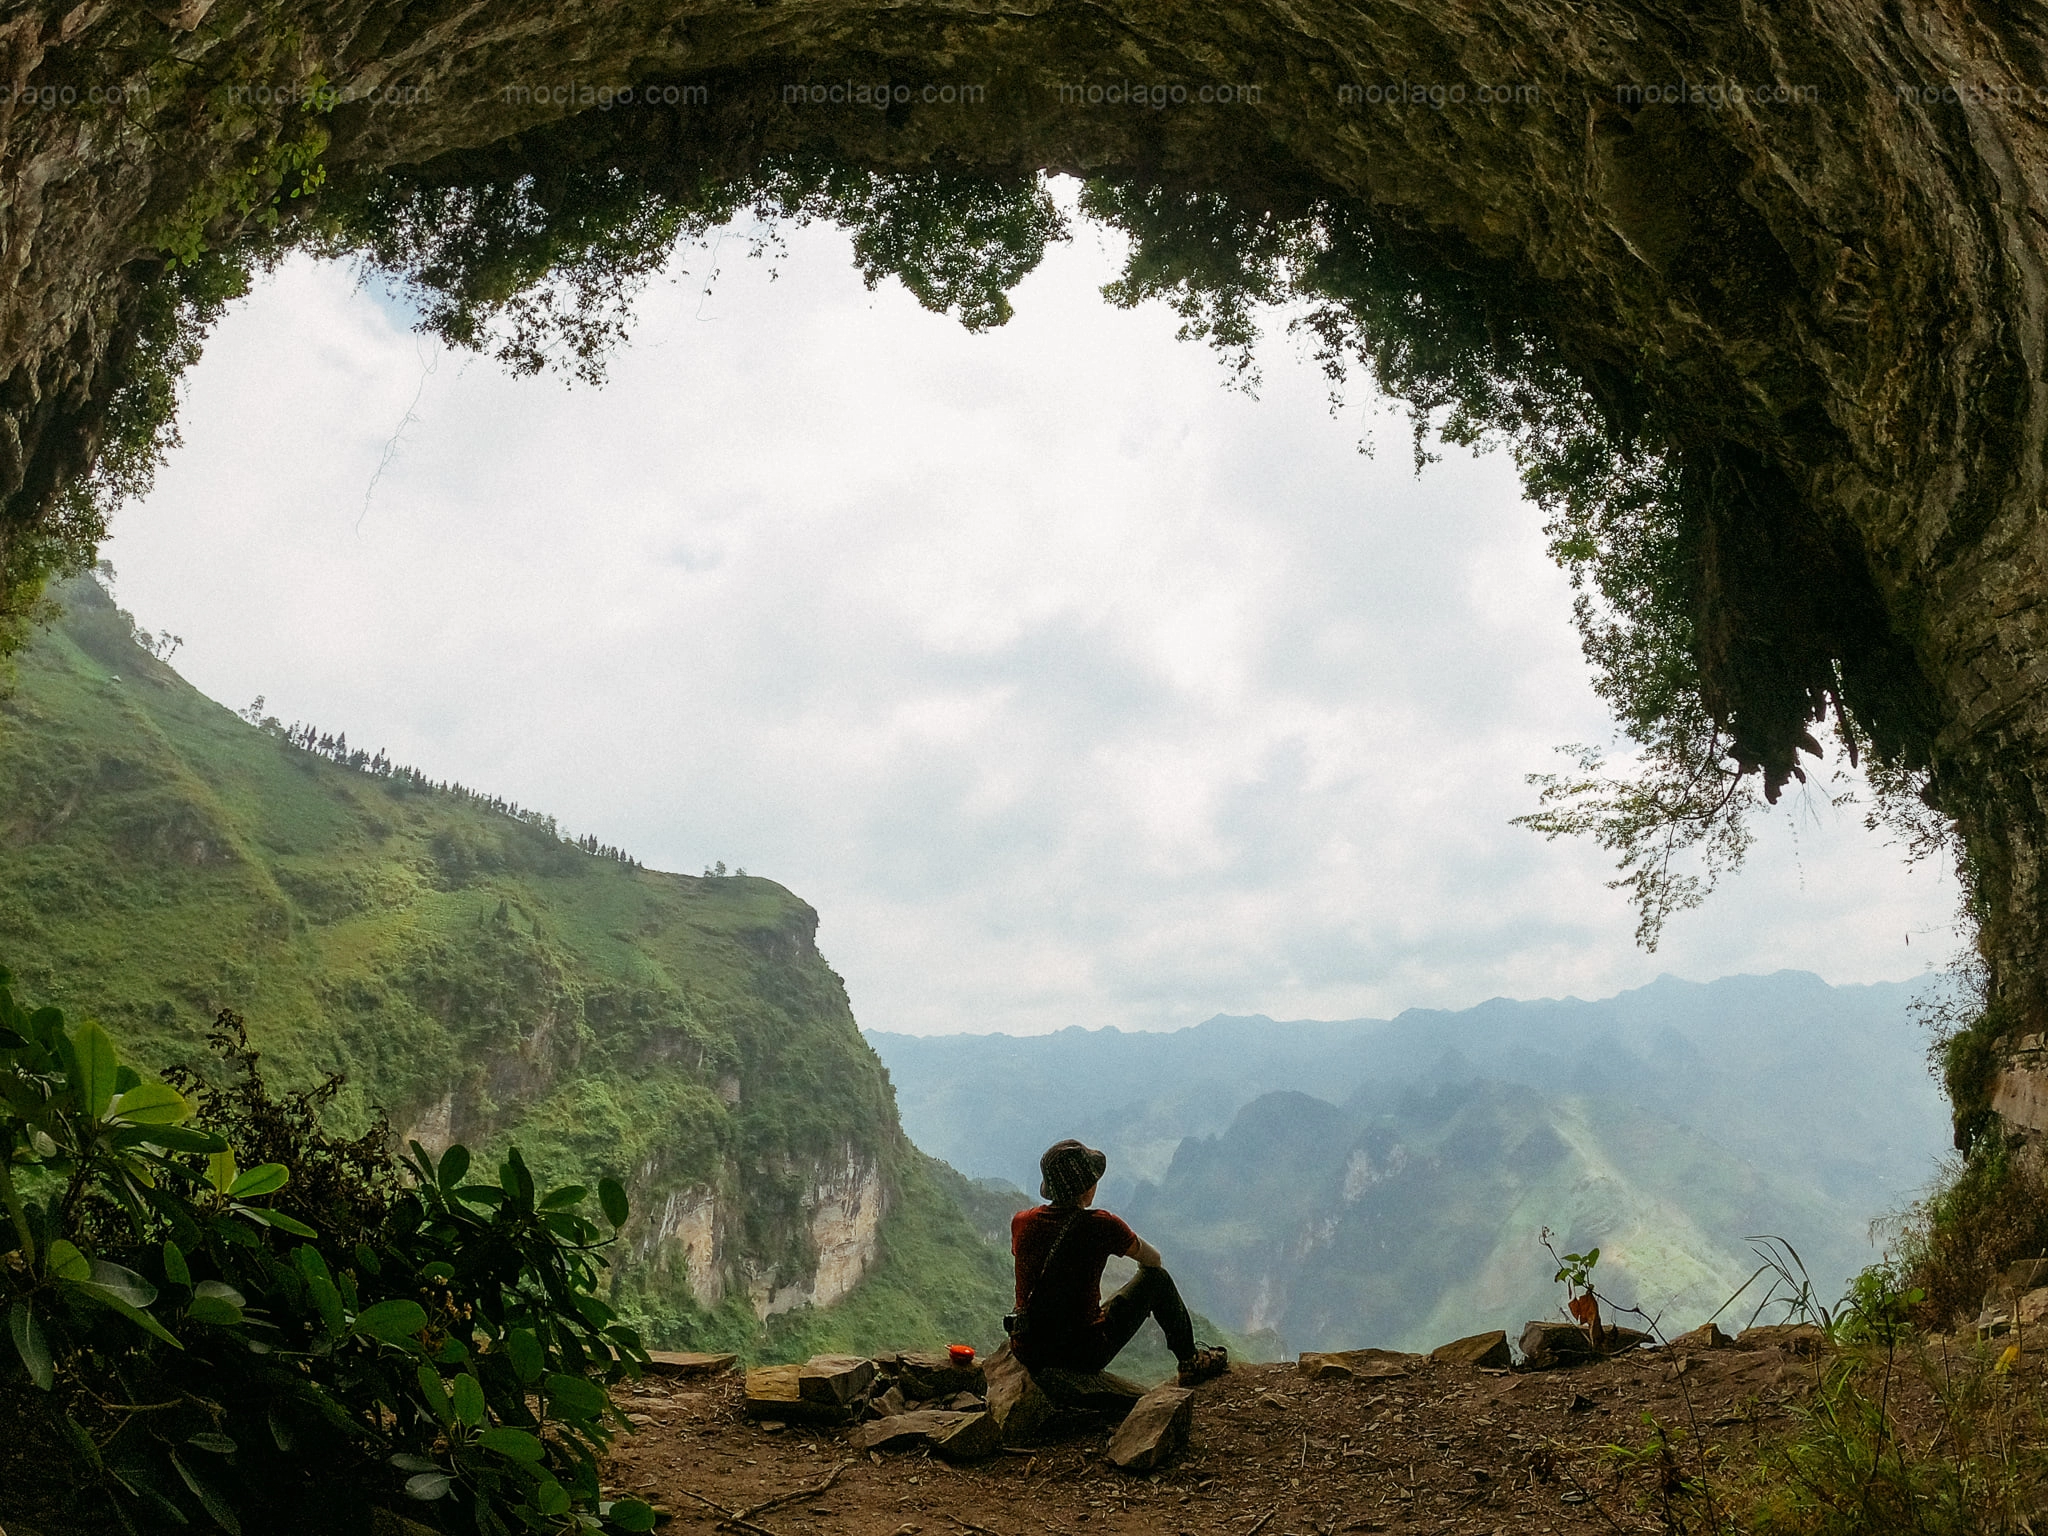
point(1815, 235)
point(843, 1207)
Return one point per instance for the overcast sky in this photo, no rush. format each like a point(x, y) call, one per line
point(1070, 686)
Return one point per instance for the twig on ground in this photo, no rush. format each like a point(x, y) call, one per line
point(969, 1525)
point(1259, 1524)
point(765, 1505)
point(728, 1516)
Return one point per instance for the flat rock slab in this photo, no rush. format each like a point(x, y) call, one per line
point(835, 1381)
point(792, 1394)
point(1155, 1432)
point(1793, 1338)
point(1488, 1350)
point(669, 1362)
point(1706, 1336)
point(955, 1436)
point(1548, 1345)
point(1090, 1391)
point(1357, 1364)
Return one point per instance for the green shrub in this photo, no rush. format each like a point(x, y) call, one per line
point(296, 1341)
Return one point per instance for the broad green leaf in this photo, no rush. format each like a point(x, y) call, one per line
point(210, 1440)
point(176, 1270)
point(267, 1179)
point(405, 1461)
point(66, 1262)
point(216, 1506)
point(217, 1303)
point(630, 1514)
point(327, 1302)
point(567, 1195)
point(221, 1171)
point(114, 1301)
point(94, 1066)
point(30, 1344)
point(551, 1498)
point(574, 1398)
point(528, 1358)
point(311, 1263)
point(428, 1486)
point(515, 1444)
point(120, 1282)
point(454, 1164)
point(366, 1260)
point(277, 1219)
point(435, 1393)
point(481, 1194)
point(453, 1352)
point(440, 1269)
point(10, 1041)
point(515, 1178)
point(394, 1322)
point(125, 1077)
point(612, 1196)
point(179, 1138)
point(468, 1399)
point(152, 1104)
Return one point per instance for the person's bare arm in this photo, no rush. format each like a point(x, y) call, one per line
point(1146, 1255)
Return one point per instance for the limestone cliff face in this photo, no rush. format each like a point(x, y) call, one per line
point(1815, 235)
point(695, 1234)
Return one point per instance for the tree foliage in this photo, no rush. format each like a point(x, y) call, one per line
point(279, 1345)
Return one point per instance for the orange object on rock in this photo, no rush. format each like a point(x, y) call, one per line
point(963, 1354)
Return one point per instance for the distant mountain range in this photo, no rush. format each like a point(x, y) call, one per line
point(1384, 1181)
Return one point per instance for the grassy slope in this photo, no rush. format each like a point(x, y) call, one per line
point(161, 859)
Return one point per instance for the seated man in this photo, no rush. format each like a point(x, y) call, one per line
point(1061, 1247)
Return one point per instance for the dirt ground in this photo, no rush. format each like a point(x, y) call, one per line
point(1447, 1449)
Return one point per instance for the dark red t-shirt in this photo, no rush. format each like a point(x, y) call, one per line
point(1069, 1299)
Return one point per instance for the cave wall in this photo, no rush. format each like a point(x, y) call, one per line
point(1838, 277)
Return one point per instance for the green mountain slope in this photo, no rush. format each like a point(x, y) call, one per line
point(1407, 1224)
point(480, 979)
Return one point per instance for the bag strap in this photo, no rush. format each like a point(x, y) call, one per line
point(1053, 1253)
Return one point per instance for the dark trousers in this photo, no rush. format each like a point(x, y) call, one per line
point(1150, 1293)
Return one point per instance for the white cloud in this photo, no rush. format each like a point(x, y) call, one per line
point(1069, 685)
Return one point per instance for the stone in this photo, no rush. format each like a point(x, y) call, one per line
point(669, 1362)
point(2033, 1307)
point(1021, 1410)
point(889, 1403)
point(972, 1436)
point(1090, 1391)
point(1546, 1346)
point(1356, 1364)
point(1489, 1351)
point(1155, 1431)
point(1706, 1336)
point(2026, 1275)
point(835, 1381)
point(773, 1391)
point(955, 1436)
point(933, 1374)
point(1793, 1338)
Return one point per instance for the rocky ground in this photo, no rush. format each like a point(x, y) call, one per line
point(1444, 1448)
